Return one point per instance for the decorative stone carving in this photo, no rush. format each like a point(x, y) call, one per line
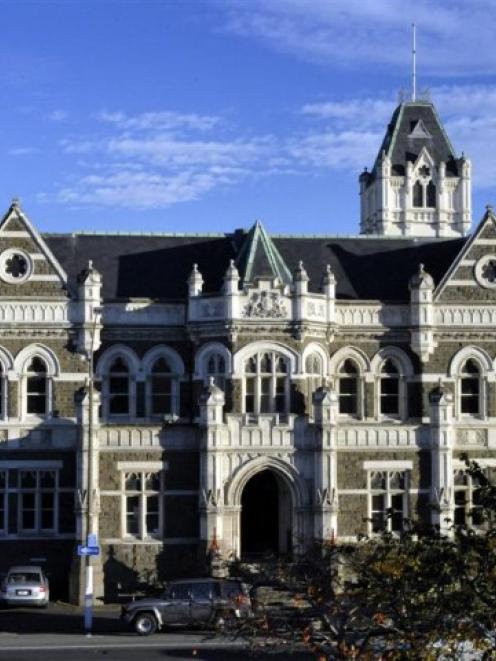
point(211, 497)
point(327, 497)
point(265, 304)
point(471, 436)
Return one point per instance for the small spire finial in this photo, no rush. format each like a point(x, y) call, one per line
point(90, 264)
point(414, 63)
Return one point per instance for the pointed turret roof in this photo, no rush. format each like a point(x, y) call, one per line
point(259, 257)
point(413, 126)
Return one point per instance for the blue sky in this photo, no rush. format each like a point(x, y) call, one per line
point(204, 115)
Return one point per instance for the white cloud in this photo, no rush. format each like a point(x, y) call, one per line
point(164, 120)
point(22, 151)
point(453, 37)
point(125, 165)
point(58, 115)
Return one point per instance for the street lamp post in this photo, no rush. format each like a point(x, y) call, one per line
point(89, 578)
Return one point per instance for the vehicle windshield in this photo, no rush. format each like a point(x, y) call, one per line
point(24, 577)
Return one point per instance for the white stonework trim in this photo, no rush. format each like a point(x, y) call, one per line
point(164, 492)
point(468, 262)
point(314, 347)
point(486, 242)
point(71, 376)
point(388, 464)
point(262, 346)
point(397, 355)
point(28, 463)
point(163, 351)
point(338, 358)
point(25, 355)
point(476, 353)
point(44, 278)
point(44, 247)
point(462, 283)
point(110, 354)
point(37, 256)
point(6, 360)
point(203, 354)
point(132, 466)
point(15, 234)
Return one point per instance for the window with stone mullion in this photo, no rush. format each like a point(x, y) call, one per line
point(387, 501)
point(37, 387)
point(142, 504)
point(389, 390)
point(467, 508)
point(266, 383)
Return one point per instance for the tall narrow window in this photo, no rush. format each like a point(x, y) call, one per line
point(266, 383)
point(216, 368)
point(37, 387)
point(388, 500)
point(142, 508)
point(389, 389)
point(118, 388)
point(3, 392)
point(431, 195)
point(470, 388)
point(467, 507)
point(348, 388)
point(418, 194)
point(161, 384)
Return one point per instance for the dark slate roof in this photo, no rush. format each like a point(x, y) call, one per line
point(158, 267)
point(401, 146)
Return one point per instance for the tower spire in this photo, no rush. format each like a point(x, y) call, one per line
point(414, 63)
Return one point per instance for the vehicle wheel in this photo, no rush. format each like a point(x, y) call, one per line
point(145, 624)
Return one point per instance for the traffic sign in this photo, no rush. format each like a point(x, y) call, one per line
point(88, 550)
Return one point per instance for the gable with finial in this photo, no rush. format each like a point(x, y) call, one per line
point(472, 276)
point(27, 265)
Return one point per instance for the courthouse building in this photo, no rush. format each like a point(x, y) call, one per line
point(262, 390)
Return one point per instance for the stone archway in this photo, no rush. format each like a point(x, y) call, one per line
point(293, 521)
point(266, 515)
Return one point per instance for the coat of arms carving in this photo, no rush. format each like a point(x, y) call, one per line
point(265, 304)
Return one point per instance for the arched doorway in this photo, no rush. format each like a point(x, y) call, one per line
point(266, 515)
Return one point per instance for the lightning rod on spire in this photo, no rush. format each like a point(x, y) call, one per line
point(414, 64)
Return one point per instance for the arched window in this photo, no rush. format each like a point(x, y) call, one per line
point(118, 388)
point(216, 368)
point(314, 369)
point(470, 388)
point(266, 383)
point(348, 379)
point(162, 391)
point(37, 387)
point(389, 394)
point(431, 194)
point(418, 194)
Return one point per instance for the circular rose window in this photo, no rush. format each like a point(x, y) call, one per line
point(485, 271)
point(15, 265)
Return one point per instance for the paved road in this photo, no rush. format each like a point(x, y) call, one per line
point(56, 634)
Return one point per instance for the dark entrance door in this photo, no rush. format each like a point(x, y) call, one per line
point(260, 514)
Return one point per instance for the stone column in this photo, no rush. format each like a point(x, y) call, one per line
point(87, 521)
point(211, 503)
point(329, 289)
point(89, 303)
point(421, 287)
point(325, 464)
point(442, 442)
point(195, 287)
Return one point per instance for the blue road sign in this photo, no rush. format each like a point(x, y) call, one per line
point(88, 550)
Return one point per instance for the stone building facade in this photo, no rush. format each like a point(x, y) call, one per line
point(262, 391)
